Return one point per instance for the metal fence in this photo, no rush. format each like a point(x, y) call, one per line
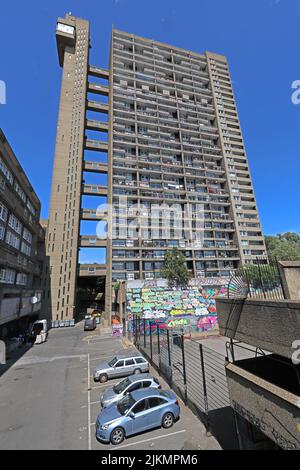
point(262, 279)
point(194, 371)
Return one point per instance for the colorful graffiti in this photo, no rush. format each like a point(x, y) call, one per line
point(192, 309)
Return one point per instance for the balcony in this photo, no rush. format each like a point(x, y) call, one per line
point(93, 125)
point(96, 145)
point(95, 167)
point(94, 190)
point(97, 107)
point(89, 241)
point(93, 214)
point(86, 270)
point(98, 89)
point(98, 72)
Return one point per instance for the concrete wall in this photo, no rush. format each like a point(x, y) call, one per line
point(270, 325)
point(290, 275)
point(273, 411)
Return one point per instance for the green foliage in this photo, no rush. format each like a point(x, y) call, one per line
point(255, 276)
point(174, 268)
point(117, 285)
point(284, 247)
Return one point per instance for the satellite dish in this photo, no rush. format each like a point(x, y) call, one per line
point(34, 300)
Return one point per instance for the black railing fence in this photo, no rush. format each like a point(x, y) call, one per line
point(194, 371)
point(262, 279)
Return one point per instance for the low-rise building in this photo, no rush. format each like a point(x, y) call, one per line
point(21, 246)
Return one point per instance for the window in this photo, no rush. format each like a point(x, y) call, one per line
point(6, 171)
point(140, 360)
point(2, 231)
point(135, 386)
point(27, 235)
point(20, 191)
point(3, 212)
point(7, 276)
point(26, 249)
point(129, 362)
point(120, 364)
point(155, 401)
point(146, 383)
point(21, 279)
point(14, 223)
point(12, 239)
point(140, 407)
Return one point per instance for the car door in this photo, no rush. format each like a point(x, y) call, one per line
point(139, 422)
point(118, 369)
point(156, 408)
point(142, 364)
point(129, 366)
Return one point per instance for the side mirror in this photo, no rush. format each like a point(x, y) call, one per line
point(131, 415)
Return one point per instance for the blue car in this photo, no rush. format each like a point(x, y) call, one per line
point(137, 412)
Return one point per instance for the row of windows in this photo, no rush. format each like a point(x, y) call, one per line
point(9, 176)
point(9, 276)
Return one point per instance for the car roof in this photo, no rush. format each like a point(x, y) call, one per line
point(145, 393)
point(136, 377)
point(128, 356)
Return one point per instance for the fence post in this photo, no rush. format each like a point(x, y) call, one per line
point(260, 277)
point(135, 331)
point(169, 351)
point(204, 385)
point(158, 345)
point(144, 333)
point(150, 330)
point(184, 369)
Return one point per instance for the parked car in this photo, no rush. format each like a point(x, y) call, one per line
point(90, 324)
point(121, 366)
point(128, 385)
point(138, 411)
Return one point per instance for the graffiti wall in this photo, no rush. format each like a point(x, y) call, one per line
point(191, 309)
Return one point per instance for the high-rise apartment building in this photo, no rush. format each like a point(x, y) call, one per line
point(174, 140)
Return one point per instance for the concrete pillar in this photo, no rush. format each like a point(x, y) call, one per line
point(290, 275)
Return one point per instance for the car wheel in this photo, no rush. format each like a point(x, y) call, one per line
point(137, 371)
point(117, 436)
point(103, 378)
point(167, 421)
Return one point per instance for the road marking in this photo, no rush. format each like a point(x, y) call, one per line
point(101, 358)
point(149, 440)
point(92, 403)
point(38, 359)
point(104, 385)
point(89, 406)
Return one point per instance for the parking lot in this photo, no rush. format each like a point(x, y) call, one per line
point(49, 400)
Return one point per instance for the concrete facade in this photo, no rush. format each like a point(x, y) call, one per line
point(21, 246)
point(290, 275)
point(270, 325)
point(174, 138)
point(264, 389)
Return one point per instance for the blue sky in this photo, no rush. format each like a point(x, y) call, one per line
point(259, 37)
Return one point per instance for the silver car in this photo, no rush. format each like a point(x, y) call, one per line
point(128, 385)
point(121, 366)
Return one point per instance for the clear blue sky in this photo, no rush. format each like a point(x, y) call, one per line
point(259, 37)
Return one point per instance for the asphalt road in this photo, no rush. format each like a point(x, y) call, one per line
point(48, 399)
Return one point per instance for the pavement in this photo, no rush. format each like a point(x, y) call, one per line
point(48, 399)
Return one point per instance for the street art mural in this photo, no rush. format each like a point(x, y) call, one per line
point(191, 309)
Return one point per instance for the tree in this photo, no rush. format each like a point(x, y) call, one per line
point(284, 247)
point(174, 268)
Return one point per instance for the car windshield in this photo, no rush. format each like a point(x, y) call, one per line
point(125, 404)
point(120, 387)
point(112, 362)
